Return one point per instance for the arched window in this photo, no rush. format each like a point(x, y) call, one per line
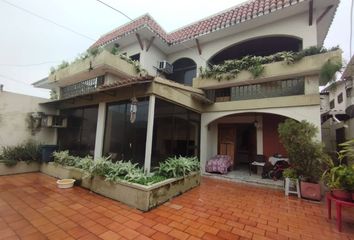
point(184, 70)
point(263, 46)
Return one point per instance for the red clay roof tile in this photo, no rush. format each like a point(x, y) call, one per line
point(230, 17)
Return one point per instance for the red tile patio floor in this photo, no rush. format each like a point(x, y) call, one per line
point(31, 207)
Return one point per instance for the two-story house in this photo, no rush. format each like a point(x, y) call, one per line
point(337, 110)
point(112, 108)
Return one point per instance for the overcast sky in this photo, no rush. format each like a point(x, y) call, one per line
point(30, 45)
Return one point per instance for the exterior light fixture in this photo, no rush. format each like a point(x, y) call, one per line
point(133, 109)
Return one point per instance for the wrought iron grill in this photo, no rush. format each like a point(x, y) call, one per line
point(81, 88)
point(288, 87)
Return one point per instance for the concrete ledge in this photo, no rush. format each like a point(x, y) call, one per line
point(104, 62)
point(145, 197)
point(20, 167)
point(61, 172)
point(135, 195)
point(310, 65)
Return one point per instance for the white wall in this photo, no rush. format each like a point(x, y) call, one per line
point(209, 126)
point(293, 26)
point(151, 59)
point(296, 26)
point(333, 95)
point(14, 110)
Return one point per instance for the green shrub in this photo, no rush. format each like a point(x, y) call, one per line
point(101, 167)
point(306, 154)
point(178, 166)
point(65, 159)
point(126, 170)
point(290, 173)
point(28, 151)
point(84, 163)
point(9, 163)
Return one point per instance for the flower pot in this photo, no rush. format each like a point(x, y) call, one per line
point(342, 194)
point(310, 191)
point(65, 183)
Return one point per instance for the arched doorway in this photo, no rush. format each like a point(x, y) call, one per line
point(184, 70)
point(263, 46)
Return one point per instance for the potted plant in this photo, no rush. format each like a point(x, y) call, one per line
point(340, 177)
point(291, 180)
point(347, 154)
point(305, 154)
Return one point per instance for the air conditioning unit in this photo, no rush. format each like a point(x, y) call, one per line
point(54, 121)
point(165, 67)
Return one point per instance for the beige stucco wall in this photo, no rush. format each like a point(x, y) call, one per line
point(14, 109)
point(148, 59)
point(209, 120)
point(293, 26)
point(151, 58)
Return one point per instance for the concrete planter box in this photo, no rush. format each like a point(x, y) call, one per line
point(20, 167)
point(62, 172)
point(310, 65)
point(145, 197)
point(92, 67)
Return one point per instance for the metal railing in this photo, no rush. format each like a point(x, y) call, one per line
point(288, 87)
point(81, 88)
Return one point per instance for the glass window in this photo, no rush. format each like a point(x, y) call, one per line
point(135, 57)
point(331, 104)
point(125, 140)
point(80, 134)
point(184, 70)
point(176, 132)
point(340, 98)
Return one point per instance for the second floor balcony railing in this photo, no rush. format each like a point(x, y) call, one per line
point(81, 88)
point(281, 88)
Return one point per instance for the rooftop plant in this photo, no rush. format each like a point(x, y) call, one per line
point(230, 68)
point(93, 52)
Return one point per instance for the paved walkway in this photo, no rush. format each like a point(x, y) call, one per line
point(31, 207)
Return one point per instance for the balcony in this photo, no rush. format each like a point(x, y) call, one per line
point(92, 67)
point(310, 65)
point(288, 87)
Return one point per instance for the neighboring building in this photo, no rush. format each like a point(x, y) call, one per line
point(18, 115)
point(337, 110)
point(187, 115)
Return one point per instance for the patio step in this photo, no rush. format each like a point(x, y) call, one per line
point(269, 183)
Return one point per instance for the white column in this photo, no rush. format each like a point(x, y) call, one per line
point(203, 146)
point(149, 133)
point(260, 135)
point(100, 130)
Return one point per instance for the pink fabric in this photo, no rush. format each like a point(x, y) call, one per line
point(219, 163)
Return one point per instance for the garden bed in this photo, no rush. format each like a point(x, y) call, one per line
point(62, 172)
point(145, 197)
point(19, 167)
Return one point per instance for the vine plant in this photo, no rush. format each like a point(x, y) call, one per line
point(254, 64)
point(93, 52)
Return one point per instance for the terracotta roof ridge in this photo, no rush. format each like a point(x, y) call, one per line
point(231, 16)
point(211, 16)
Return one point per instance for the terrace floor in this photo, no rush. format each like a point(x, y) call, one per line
point(32, 207)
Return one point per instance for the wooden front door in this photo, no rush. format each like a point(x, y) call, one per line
point(227, 141)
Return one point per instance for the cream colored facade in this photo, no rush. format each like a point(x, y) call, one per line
point(14, 116)
point(291, 22)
